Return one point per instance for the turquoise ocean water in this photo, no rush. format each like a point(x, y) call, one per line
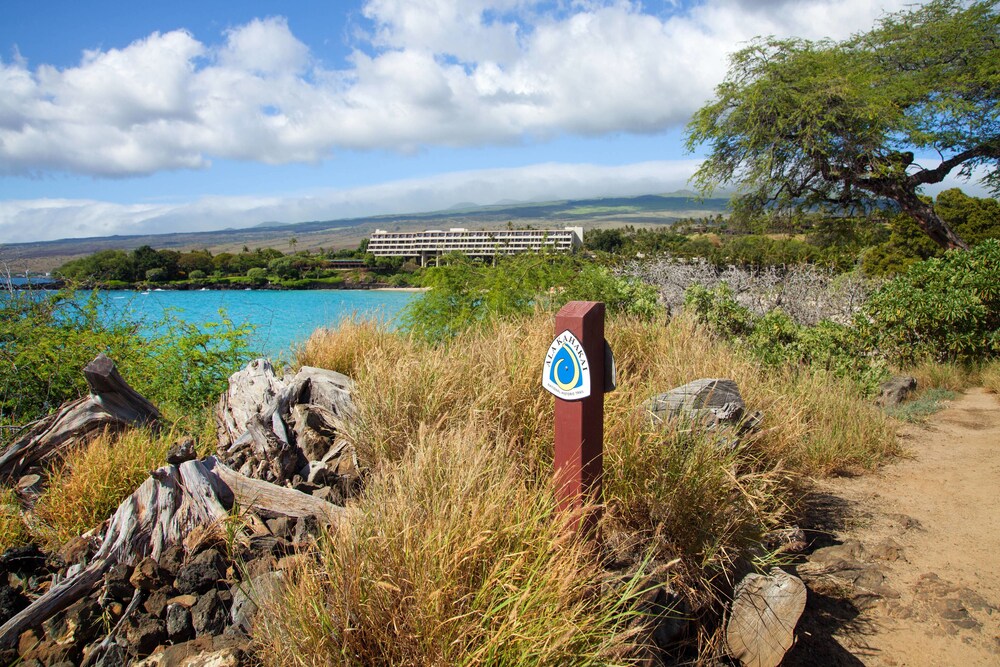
point(282, 319)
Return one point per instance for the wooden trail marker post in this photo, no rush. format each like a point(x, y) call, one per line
point(578, 370)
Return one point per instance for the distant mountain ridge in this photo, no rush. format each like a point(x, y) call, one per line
point(643, 210)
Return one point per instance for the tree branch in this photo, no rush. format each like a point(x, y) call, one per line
point(938, 173)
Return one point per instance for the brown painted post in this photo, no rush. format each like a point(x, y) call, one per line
point(579, 424)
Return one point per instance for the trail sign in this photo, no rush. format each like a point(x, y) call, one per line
point(566, 372)
point(574, 371)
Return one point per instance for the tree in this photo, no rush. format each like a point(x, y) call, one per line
point(801, 124)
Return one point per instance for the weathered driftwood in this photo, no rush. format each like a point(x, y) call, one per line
point(274, 429)
point(765, 610)
point(252, 394)
point(111, 405)
point(176, 505)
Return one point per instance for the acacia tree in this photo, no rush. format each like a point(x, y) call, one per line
point(803, 124)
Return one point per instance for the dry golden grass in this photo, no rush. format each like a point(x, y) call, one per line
point(93, 481)
point(459, 438)
point(943, 375)
point(990, 377)
point(452, 559)
point(344, 349)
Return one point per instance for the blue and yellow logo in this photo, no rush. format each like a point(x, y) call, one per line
point(566, 372)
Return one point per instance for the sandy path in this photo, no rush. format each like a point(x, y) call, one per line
point(915, 579)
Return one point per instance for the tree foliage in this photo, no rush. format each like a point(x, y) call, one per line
point(945, 309)
point(801, 124)
point(464, 293)
point(47, 339)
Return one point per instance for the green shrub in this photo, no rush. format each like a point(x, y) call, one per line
point(776, 340)
point(188, 365)
point(943, 309)
point(257, 275)
point(45, 341)
point(464, 293)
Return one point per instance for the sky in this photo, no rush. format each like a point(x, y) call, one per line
point(136, 118)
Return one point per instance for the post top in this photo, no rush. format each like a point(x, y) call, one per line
point(581, 309)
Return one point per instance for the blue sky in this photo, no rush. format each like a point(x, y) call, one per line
point(123, 118)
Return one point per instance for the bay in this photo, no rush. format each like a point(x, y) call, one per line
point(281, 319)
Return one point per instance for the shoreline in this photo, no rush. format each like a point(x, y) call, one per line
point(237, 287)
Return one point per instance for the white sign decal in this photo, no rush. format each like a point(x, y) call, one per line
point(566, 372)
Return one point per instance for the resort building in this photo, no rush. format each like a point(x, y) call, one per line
point(474, 243)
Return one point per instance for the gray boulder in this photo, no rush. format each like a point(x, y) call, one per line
point(896, 390)
point(709, 401)
point(248, 597)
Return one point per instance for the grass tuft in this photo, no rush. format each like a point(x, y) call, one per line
point(344, 349)
point(13, 530)
point(454, 558)
point(93, 481)
point(943, 375)
point(990, 377)
point(925, 404)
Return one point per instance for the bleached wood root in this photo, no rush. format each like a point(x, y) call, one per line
point(111, 405)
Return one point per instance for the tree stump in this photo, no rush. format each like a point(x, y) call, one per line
point(273, 428)
point(112, 405)
point(765, 610)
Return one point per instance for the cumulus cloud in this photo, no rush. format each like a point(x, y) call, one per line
point(49, 219)
point(427, 72)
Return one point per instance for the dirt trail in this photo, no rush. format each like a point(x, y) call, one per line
point(911, 575)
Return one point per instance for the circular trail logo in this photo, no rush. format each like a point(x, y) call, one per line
point(566, 372)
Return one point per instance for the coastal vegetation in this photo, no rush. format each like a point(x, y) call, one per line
point(145, 266)
point(455, 552)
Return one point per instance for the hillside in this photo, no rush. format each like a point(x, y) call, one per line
point(645, 210)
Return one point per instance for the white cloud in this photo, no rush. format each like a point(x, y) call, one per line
point(49, 219)
point(431, 72)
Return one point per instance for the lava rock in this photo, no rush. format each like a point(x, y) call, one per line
point(148, 575)
point(172, 559)
point(201, 573)
point(181, 451)
point(180, 627)
point(330, 494)
point(709, 401)
point(156, 603)
point(76, 627)
point(116, 583)
point(896, 390)
point(209, 615)
point(306, 528)
point(144, 633)
point(114, 656)
point(249, 595)
point(281, 527)
point(186, 601)
point(22, 559)
point(78, 550)
point(29, 486)
point(11, 602)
